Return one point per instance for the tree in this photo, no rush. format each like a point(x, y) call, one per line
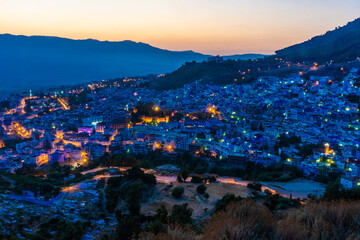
point(181, 214)
point(255, 186)
point(221, 204)
point(177, 192)
point(197, 179)
point(134, 207)
point(67, 230)
point(201, 189)
point(134, 195)
point(56, 175)
point(114, 182)
point(333, 191)
point(183, 175)
point(212, 179)
point(206, 196)
point(261, 127)
point(148, 178)
point(162, 214)
point(179, 178)
point(127, 226)
point(134, 172)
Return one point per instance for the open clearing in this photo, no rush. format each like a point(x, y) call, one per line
point(298, 188)
point(200, 206)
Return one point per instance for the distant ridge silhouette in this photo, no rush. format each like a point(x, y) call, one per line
point(339, 45)
point(37, 61)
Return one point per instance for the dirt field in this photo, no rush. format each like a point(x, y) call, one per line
point(199, 205)
point(298, 188)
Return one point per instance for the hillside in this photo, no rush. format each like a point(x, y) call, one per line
point(247, 56)
point(43, 61)
point(226, 72)
point(339, 45)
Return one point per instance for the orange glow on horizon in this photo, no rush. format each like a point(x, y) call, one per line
point(210, 27)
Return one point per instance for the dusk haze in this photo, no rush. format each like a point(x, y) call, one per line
point(208, 26)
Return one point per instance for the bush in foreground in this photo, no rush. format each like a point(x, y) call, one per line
point(249, 220)
point(197, 179)
point(201, 189)
point(177, 192)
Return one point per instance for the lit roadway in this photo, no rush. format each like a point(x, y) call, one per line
point(75, 187)
point(173, 178)
point(21, 131)
point(20, 107)
point(63, 103)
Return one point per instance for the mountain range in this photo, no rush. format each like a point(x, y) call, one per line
point(339, 45)
point(41, 61)
point(38, 61)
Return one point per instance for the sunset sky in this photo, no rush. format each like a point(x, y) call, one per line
point(207, 26)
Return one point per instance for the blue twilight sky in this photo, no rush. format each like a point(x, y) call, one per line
point(207, 26)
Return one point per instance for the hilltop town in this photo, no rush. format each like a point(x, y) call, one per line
point(68, 152)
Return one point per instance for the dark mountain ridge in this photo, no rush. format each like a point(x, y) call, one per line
point(339, 45)
point(44, 61)
point(41, 61)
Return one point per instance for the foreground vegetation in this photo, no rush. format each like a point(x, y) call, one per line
point(264, 215)
point(248, 220)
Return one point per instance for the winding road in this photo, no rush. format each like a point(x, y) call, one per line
point(298, 188)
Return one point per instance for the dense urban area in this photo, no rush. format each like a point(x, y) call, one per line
point(119, 159)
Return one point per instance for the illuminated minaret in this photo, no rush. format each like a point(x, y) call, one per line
point(30, 93)
point(327, 147)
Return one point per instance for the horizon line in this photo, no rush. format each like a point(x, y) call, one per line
point(128, 40)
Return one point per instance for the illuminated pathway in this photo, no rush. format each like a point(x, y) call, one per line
point(20, 107)
point(21, 131)
point(298, 188)
point(173, 178)
point(63, 103)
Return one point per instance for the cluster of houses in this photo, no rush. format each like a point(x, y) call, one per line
point(231, 123)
